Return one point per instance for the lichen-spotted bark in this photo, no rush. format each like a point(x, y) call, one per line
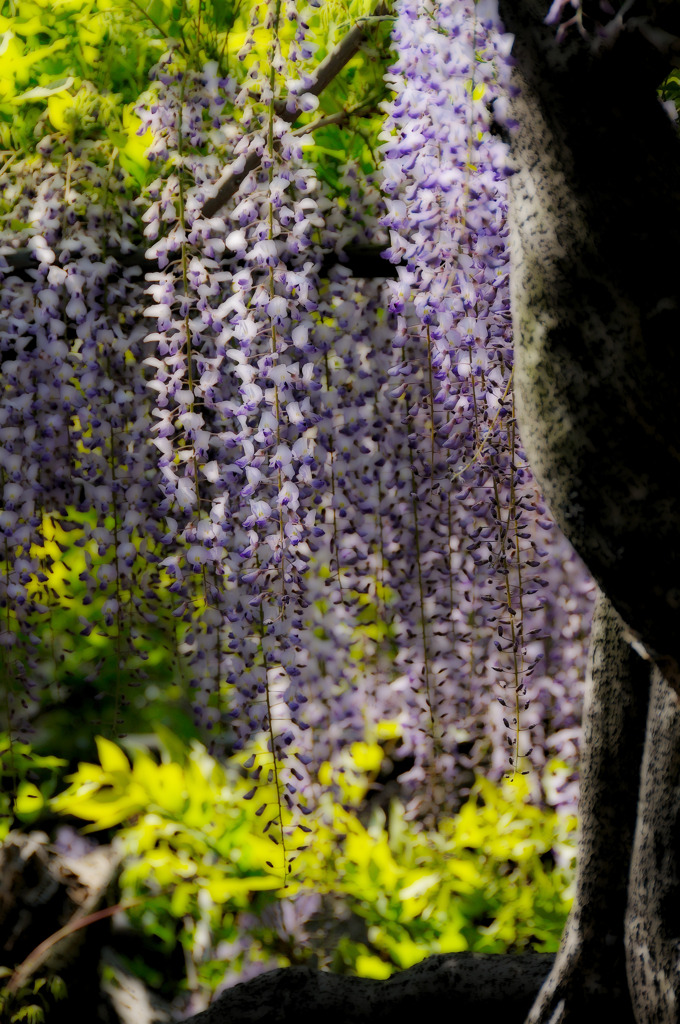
point(590, 967)
point(653, 916)
point(594, 223)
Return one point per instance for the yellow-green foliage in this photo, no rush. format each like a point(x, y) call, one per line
point(484, 880)
point(77, 69)
point(60, 63)
point(190, 827)
point(494, 877)
point(27, 781)
point(75, 645)
point(33, 1002)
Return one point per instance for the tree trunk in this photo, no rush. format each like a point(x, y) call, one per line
point(653, 917)
point(590, 967)
point(594, 223)
point(595, 218)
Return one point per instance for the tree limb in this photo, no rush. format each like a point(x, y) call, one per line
point(228, 184)
point(361, 260)
point(594, 222)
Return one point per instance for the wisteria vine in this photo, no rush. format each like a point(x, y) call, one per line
point(317, 478)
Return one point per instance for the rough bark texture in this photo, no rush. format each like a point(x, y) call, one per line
point(590, 967)
point(595, 219)
point(653, 918)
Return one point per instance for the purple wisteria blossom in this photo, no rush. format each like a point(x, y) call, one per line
point(479, 556)
point(317, 478)
point(74, 421)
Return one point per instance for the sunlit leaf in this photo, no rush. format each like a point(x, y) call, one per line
point(111, 756)
point(29, 801)
point(42, 91)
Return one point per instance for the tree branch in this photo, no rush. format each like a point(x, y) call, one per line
point(23, 260)
point(228, 184)
point(361, 260)
point(350, 44)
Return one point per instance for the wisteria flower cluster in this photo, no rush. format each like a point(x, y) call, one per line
point(74, 414)
point(477, 513)
point(319, 478)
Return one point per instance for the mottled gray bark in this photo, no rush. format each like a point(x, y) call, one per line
point(653, 918)
point(590, 967)
point(595, 220)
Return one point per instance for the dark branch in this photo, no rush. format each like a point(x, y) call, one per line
point(229, 183)
point(361, 260)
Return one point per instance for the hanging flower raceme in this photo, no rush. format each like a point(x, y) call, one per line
point(309, 472)
point(235, 378)
point(477, 553)
point(325, 472)
point(74, 414)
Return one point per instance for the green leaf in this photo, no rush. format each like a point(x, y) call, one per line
point(39, 92)
point(117, 138)
point(157, 11)
point(57, 986)
point(133, 168)
point(29, 801)
point(31, 1014)
point(111, 757)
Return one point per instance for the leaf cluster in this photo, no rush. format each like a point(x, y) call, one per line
point(28, 780)
point(77, 70)
point(32, 1003)
point(81, 662)
point(370, 893)
point(74, 67)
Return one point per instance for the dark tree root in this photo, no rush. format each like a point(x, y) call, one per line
point(653, 914)
point(591, 964)
point(457, 986)
point(580, 988)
